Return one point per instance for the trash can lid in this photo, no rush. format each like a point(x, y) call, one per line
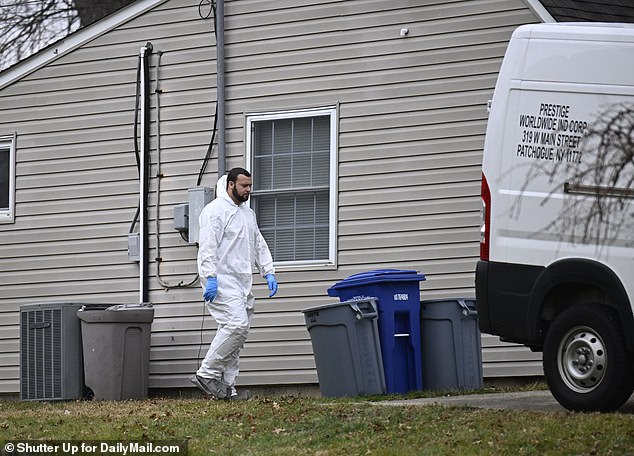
point(350, 302)
point(117, 313)
point(377, 276)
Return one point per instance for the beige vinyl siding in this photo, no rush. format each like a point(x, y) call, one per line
point(411, 120)
point(502, 359)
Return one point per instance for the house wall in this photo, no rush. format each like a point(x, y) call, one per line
point(412, 115)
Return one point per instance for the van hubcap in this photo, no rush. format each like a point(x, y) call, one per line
point(582, 359)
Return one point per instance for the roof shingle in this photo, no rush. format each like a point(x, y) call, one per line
point(590, 10)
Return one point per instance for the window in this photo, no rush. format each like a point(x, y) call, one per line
point(293, 162)
point(7, 178)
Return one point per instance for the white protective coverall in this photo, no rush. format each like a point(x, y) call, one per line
point(230, 245)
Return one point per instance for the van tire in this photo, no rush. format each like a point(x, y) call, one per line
point(586, 363)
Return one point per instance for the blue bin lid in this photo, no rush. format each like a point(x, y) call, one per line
point(377, 276)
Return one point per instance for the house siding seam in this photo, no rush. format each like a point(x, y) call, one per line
point(412, 116)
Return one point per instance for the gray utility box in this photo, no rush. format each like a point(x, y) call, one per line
point(199, 197)
point(347, 349)
point(51, 365)
point(116, 349)
point(451, 345)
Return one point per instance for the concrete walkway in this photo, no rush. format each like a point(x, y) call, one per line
point(526, 400)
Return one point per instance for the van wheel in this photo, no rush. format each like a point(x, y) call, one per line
point(586, 364)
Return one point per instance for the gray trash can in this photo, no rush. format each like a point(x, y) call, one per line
point(345, 339)
point(116, 349)
point(451, 345)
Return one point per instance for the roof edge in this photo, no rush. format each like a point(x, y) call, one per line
point(539, 10)
point(74, 40)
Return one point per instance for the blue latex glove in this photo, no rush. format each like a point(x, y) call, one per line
point(270, 279)
point(211, 289)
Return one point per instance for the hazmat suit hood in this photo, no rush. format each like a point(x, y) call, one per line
point(221, 187)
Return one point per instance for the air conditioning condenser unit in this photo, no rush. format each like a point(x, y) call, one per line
point(51, 357)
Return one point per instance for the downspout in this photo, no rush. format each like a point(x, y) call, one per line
point(220, 85)
point(144, 168)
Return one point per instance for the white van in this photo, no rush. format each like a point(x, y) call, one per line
point(556, 269)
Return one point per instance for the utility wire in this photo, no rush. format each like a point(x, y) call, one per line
point(212, 9)
point(209, 149)
point(136, 138)
point(159, 176)
point(208, 154)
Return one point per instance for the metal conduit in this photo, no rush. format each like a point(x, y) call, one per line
point(144, 251)
point(220, 85)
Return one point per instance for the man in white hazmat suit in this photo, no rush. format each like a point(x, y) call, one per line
point(230, 245)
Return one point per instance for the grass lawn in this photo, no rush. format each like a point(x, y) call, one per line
point(290, 425)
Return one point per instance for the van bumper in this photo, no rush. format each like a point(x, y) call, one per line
point(503, 292)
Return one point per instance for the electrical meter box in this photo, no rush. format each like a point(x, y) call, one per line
point(134, 247)
point(199, 197)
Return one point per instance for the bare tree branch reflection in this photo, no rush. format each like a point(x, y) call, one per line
point(605, 169)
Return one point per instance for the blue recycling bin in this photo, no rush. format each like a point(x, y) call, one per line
point(398, 295)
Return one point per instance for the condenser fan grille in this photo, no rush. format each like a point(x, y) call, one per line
point(41, 362)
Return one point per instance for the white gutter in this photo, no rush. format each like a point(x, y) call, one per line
point(539, 10)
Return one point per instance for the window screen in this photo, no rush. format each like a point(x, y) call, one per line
point(291, 186)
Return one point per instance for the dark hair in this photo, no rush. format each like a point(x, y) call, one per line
point(234, 173)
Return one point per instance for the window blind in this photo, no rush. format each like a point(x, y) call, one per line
point(5, 157)
point(291, 185)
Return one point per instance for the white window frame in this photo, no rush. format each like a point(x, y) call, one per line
point(332, 214)
point(8, 215)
